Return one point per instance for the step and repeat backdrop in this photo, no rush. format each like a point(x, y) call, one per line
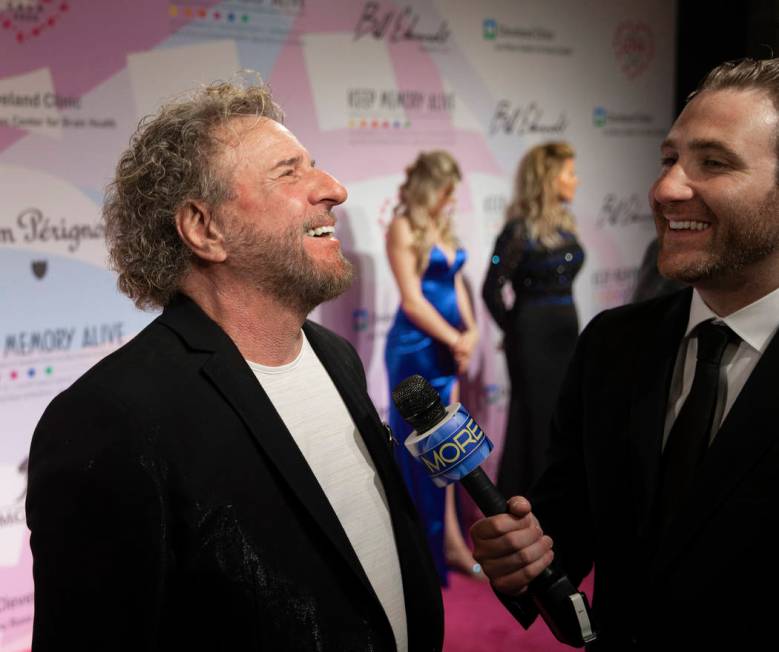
point(365, 86)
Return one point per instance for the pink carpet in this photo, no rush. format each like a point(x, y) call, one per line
point(476, 620)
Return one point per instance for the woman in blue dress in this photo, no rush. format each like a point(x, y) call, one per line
point(538, 255)
point(434, 333)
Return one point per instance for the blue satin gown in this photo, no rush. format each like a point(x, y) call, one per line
point(411, 351)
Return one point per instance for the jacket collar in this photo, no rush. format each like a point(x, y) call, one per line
point(231, 376)
point(653, 368)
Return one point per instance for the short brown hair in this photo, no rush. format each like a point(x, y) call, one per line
point(746, 74)
point(173, 157)
point(743, 74)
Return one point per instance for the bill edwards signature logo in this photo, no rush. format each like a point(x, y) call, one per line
point(397, 25)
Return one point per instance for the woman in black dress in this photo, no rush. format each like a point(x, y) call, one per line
point(537, 253)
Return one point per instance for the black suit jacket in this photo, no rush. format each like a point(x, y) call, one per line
point(710, 581)
point(170, 509)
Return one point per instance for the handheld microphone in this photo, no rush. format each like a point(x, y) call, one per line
point(451, 446)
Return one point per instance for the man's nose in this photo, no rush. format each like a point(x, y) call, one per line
point(673, 185)
point(327, 189)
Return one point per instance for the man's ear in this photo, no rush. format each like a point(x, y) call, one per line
point(200, 231)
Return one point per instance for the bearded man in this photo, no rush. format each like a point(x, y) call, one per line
point(664, 460)
point(223, 482)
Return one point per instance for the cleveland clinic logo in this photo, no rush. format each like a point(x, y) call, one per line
point(490, 29)
point(599, 116)
point(360, 320)
point(535, 39)
point(625, 123)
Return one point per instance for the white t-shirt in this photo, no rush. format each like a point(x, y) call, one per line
point(314, 412)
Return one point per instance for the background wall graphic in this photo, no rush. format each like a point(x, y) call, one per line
point(365, 86)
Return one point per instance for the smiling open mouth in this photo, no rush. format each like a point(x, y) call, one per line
point(688, 225)
point(321, 231)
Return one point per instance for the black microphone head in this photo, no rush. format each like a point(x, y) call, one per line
point(418, 403)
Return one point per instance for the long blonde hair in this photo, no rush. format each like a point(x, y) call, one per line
point(536, 202)
point(426, 177)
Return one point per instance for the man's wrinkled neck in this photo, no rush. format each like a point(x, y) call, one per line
point(264, 329)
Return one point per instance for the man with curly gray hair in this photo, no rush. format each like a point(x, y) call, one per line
point(223, 480)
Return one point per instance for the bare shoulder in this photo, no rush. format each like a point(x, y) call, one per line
point(399, 232)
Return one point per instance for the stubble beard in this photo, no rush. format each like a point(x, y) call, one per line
point(738, 244)
point(279, 265)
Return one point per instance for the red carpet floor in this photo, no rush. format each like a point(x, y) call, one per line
point(476, 620)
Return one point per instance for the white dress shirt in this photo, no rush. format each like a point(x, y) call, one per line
point(755, 325)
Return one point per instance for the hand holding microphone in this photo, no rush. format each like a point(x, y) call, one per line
point(451, 446)
point(512, 549)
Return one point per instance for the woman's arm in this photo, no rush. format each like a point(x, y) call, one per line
point(503, 262)
point(403, 261)
point(465, 345)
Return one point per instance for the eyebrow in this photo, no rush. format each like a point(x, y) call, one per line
point(700, 144)
point(287, 162)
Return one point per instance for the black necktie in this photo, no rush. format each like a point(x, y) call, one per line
point(689, 436)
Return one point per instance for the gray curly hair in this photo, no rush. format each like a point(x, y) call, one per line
point(172, 158)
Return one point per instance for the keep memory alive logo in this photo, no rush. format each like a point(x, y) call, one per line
point(534, 39)
point(397, 108)
point(32, 225)
point(62, 339)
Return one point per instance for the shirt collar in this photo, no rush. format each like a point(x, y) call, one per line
point(755, 324)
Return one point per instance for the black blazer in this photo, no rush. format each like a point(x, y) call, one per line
point(170, 509)
point(710, 581)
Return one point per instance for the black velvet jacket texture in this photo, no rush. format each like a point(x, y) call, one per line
point(170, 509)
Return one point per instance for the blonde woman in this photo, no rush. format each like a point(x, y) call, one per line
point(537, 253)
point(434, 333)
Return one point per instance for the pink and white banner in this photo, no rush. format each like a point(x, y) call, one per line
point(365, 86)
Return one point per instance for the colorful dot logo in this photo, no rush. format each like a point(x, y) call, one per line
point(377, 123)
point(30, 372)
point(202, 13)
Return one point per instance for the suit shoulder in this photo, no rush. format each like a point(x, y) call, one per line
point(120, 375)
point(643, 315)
